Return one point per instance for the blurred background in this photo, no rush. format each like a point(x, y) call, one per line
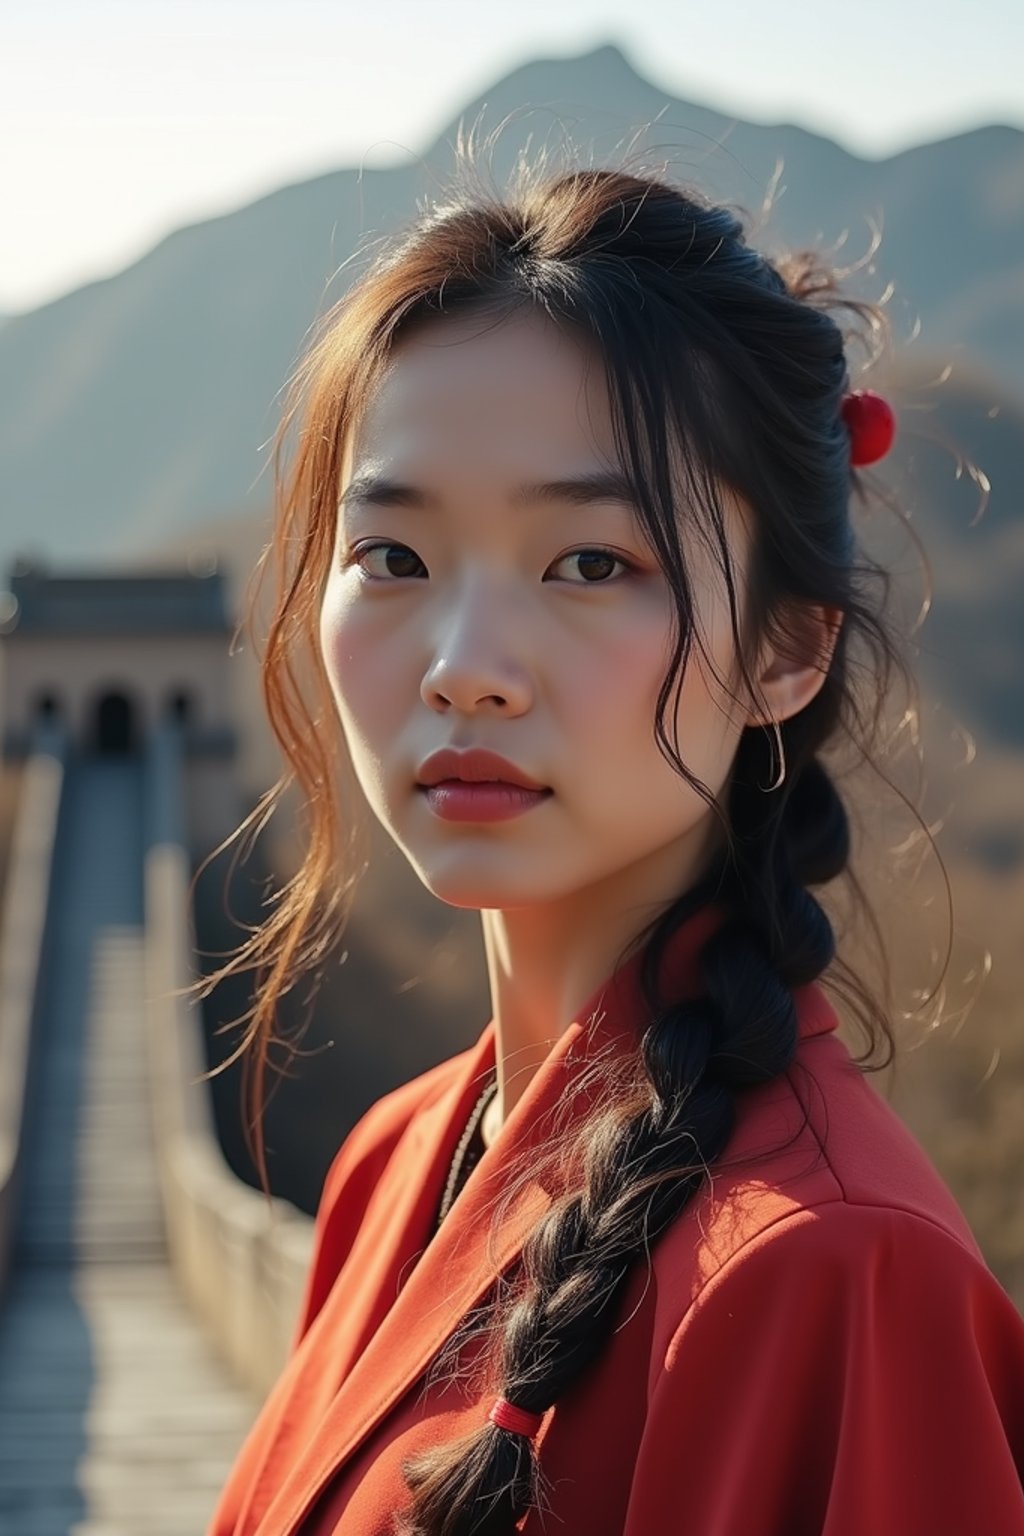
point(184, 188)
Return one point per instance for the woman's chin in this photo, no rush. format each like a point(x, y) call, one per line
point(480, 898)
point(481, 890)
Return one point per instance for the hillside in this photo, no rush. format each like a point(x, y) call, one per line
point(139, 407)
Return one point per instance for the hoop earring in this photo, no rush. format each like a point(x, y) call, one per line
point(767, 789)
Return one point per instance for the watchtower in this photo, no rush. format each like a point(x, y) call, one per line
point(108, 656)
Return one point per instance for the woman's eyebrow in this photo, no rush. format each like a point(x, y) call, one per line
point(580, 490)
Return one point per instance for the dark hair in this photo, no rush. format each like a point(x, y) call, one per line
point(736, 361)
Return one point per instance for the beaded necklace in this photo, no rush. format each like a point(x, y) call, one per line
point(469, 1150)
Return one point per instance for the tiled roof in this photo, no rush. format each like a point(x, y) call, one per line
point(164, 603)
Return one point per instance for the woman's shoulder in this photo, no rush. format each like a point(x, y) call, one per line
point(819, 1160)
point(839, 1281)
point(857, 1359)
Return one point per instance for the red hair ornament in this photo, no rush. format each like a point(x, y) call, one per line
point(871, 423)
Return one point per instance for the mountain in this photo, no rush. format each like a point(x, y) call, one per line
point(139, 406)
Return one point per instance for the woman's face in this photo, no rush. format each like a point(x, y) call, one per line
point(538, 627)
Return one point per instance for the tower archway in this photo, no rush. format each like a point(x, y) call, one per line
point(47, 706)
point(179, 706)
point(115, 730)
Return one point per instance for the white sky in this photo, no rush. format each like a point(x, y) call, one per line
point(121, 120)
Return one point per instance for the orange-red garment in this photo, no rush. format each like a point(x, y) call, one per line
point(817, 1350)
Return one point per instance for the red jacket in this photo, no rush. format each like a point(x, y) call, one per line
point(820, 1350)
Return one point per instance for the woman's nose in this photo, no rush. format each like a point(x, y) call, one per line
point(479, 661)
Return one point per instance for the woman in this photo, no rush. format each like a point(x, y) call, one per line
point(568, 539)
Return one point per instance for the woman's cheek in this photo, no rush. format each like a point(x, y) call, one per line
point(334, 645)
point(348, 653)
point(374, 696)
point(631, 670)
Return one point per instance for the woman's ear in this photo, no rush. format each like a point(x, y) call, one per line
point(795, 669)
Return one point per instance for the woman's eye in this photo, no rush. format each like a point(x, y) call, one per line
point(388, 560)
point(594, 565)
point(384, 560)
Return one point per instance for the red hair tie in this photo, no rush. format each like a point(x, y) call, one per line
point(871, 424)
point(519, 1420)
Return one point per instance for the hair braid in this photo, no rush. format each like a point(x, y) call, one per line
point(642, 1167)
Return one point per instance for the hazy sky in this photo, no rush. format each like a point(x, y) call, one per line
point(121, 120)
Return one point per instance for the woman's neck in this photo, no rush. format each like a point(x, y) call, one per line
point(545, 961)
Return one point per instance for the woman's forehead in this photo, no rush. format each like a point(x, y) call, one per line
point(461, 381)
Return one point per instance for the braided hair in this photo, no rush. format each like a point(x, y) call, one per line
point(739, 1031)
point(723, 366)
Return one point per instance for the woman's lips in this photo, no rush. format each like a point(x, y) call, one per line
point(490, 800)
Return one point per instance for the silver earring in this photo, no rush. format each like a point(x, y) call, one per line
point(782, 763)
